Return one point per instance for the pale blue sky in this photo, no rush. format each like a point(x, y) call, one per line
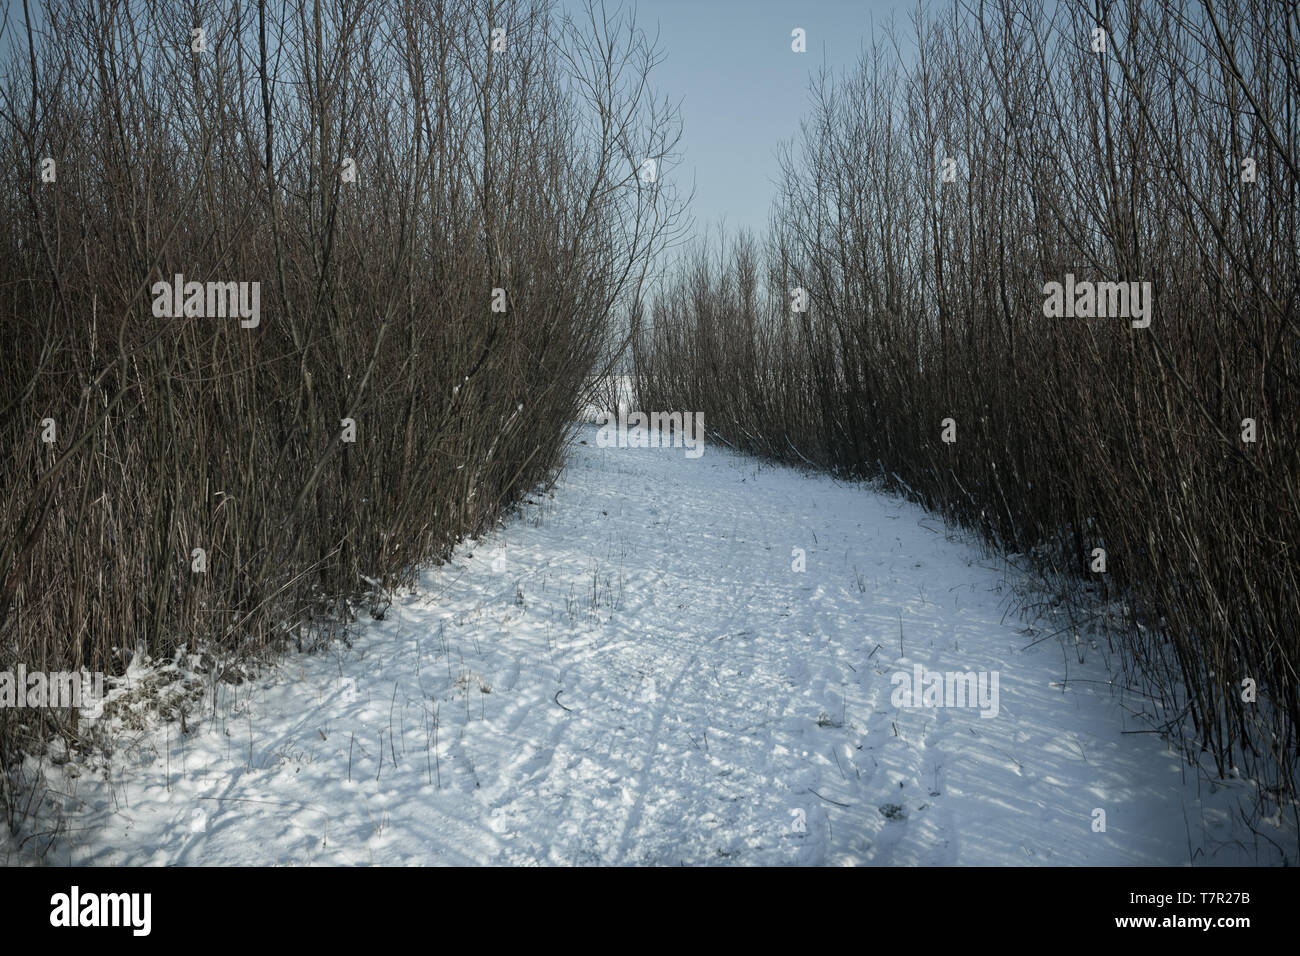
point(742, 90)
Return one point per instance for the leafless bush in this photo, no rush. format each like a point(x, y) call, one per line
point(379, 169)
point(925, 302)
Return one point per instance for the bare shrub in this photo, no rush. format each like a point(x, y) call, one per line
point(379, 169)
point(926, 303)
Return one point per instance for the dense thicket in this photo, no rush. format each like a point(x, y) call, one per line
point(379, 169)
point(1167, 156)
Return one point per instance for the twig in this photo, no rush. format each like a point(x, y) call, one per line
point(828, 800)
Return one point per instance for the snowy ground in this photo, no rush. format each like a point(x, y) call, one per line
point(631, 672)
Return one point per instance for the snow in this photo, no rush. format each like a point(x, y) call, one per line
point(630, 671)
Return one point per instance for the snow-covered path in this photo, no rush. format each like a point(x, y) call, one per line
point(633, 672)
